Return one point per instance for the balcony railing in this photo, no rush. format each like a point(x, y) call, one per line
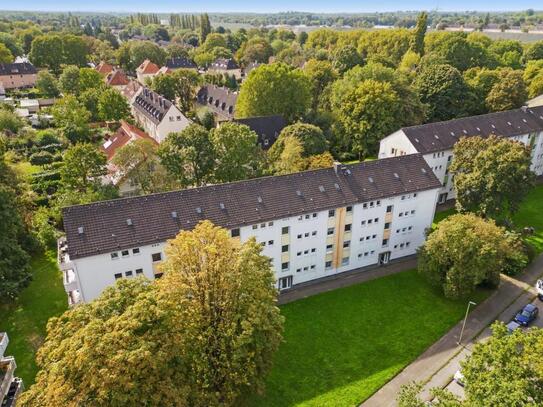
point(7, 367)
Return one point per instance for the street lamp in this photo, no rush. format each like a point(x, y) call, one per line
point(464, 324)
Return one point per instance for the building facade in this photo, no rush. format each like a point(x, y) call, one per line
point(219, 99)
point(147, 70)
point(10, 385)
point(225, 66)
point(157, 115)
point(18, 75)
point(435, 141)
point(311, 224)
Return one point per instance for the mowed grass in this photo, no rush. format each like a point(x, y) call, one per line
point(26, 319)
point(531, 214)
point(342, 346)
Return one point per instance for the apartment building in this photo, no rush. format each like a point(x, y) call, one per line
point(18, 75)
point(157, 115)
point(225, 66)
point(311, 224)
point(10, 386)
point(435, 141)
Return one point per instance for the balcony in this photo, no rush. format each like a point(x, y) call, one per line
point(4, 340)
point(74, 298)
point(70, 281)
point(63, 258)
point(7, 367)
point(15, 389)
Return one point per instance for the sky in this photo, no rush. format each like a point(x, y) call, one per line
point(335, 6)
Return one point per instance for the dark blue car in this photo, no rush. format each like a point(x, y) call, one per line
point(526, 315)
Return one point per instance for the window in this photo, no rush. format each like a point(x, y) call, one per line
point(373, 236)
point(330, 231)
point(284, 248)
point(306, 251)
point(370, 221)
point(402, 245)
point(407, 244)
point(413, 212)
point(378, 203)
point(363, 223)
point(270, 223)
point(331, 213)
point(306, 268)
point(307, 216)
point(372, 204)
point(156, 257)
point(270, 242)
point(306, 234)
point(389, 208)
point(136, 250)
point(235, 232)
point(329, 247)
point(348, 227)
point(314, 233)
point(262, 225)
point(298, 270)
point(400, 215)
point(349, 208)
point(313, 267)
point(118, 275)
point(139, 271)
point(346, 243)
point(385, 242)
point(328, 265)
point(298, 254)
point(128, 273)
point(299, 236)
point(114, 256)
point(313, 250)
point(285, 265)
point(125, 253)
point(285, 282)
point(255, 227)
point(345, 261)
point(315, 215)
point(387, 225)
point(376, 220)
point(365, 206)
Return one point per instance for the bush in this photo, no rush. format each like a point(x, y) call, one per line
point(41, 158)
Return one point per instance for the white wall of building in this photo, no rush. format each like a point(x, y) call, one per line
point(173, 121)
point(396, 144)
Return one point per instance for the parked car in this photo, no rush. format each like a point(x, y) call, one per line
point(459, 378)
point(539, 288)
point(526, 315)
point(512, 327)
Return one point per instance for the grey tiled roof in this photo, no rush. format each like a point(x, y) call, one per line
point(18, 68)
point(219, 99)
point(266, 127)
point(105, 227)
point(431, 137)
point(224, 64)
point(175, 63)
point(152, 105)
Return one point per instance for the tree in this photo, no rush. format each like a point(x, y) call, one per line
point(324, 160)
point(83, 165)
point(188, 155)
point(290, 158)
point(138, 163)
point(179, 85)
point(90, 79)
point(444, 90)
point(112, 105)
point(274, 89)
point(417, 42)
point(536, 86)
point(205, 27)
point(509, 92)
point(311, 138)
point(345, 58)
point(72, 118)
point(10, 122)
point(74, 50)
point(89, 100)
point(69, 80)
point(131, 54)
point(10, 42)
point(47, 84)
point(321, 74)
point(456, 50)
point(491, 175)
point(257, 49)
point(465, 251)
point(46, 52)
point(237, 154)
point(365, 114)
point(6, 57)
point(207, 331)
point(534, 51)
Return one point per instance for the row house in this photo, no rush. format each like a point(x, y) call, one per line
point(312, 225)
point(124, 135)
point(10, 385)
point(180, 63)
point(435, 141)
point(225, 66)
point(219, 99)
point(18, 75)
point(157, 115)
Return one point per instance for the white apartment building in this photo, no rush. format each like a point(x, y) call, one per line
point(435, 141)
point(10, 385)
point(311, 225)
point(157, 115)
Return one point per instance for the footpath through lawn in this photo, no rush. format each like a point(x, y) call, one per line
point(342, 346)
point(26, 319)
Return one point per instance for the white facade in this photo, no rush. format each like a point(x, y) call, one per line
point(302, 248)
point(398, 144)
point(173, 121)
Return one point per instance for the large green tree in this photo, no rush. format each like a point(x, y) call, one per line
point(203, 335)
point(6, 57)
point(311, 138)
point(188, 155)
point(274, 89)
point(417, 42)
point(257, 49)
point(321, 74)
point(46, 51)
point(179, 85)
point(491, 175)
point(509, 92)
point(112, 105)
point(237, 154)
point(346, 57)
point(82, 168)
point(465, 251)
point(47, 84)
point(72, 118)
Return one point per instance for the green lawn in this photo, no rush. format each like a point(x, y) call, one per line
point(342, 346)
point(25, 320)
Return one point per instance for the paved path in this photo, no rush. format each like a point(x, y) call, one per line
point(433, 365)
point(346, 279)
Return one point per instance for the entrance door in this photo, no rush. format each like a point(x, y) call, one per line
point(384, 258)
point(442, 198)
point(285, 282)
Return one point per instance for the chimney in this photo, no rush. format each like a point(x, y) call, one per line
point(337, 167)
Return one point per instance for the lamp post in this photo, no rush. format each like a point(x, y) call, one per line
point(464, 324)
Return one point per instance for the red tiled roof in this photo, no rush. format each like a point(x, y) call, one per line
point(148, 67)
point(122, 137)
point(117, 78)
point(104, 68)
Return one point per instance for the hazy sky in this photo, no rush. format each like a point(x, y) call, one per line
point(269, 6)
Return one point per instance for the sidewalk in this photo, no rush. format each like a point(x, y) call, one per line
point(430, 365)
point(346, 279)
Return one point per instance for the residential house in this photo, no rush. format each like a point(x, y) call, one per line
point(18, 75)
point(147, 69)
point(435, 141)
point(10, 385)
point(157, 115)
point(131, 90)
point(104, 68)
point(225, 66)
point(267, 128)
point(117, 79)
point(311, 224)
point(180, 63)
point(220, 100)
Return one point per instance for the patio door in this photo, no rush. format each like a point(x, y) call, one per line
point(384, 258)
